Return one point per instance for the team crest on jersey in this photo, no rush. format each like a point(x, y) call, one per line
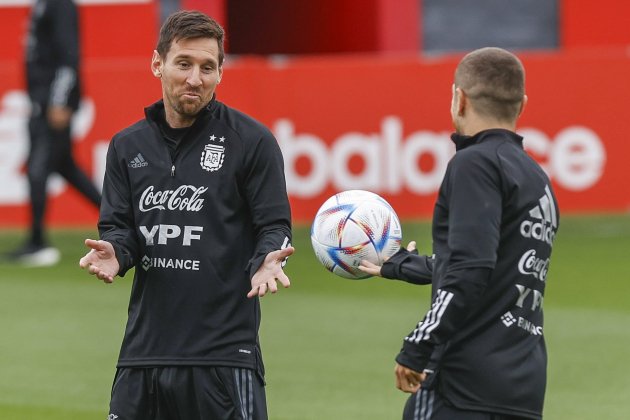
point(212, 157)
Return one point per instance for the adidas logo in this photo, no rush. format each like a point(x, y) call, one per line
point(546, 220)
point(138, 162)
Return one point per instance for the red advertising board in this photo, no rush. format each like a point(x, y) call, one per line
point(117, 40)
point(384, 124)
point(379, 123)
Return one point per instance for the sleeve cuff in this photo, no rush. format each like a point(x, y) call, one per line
point(124, 260)
point(255, 263)
point(414, 356)
point(409, 267)
point(391, 268)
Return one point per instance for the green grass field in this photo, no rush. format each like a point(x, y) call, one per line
point(328, 342)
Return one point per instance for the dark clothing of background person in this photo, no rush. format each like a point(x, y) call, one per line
point(53, 82)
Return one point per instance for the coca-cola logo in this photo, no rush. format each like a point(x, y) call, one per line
point(184, 198)
point(531, 265)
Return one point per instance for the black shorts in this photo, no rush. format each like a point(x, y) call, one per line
point(428, 405)
point(187, 393)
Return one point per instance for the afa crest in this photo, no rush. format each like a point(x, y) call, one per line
point(212, 157)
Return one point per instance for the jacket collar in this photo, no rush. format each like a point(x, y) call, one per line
point(462, 141)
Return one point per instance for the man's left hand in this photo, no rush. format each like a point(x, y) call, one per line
point(59, 116)
point(269, 272)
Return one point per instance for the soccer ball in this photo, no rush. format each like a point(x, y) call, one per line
point(352, 226)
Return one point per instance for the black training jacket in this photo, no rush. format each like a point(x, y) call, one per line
point(196, 227)
point(52, 54)
point(494, 223)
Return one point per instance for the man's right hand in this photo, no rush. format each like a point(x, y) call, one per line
point(101, 260)
point(408, 380)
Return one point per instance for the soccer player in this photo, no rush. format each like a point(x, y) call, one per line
point(52, 75)
point(194, 198)
point(479, 353)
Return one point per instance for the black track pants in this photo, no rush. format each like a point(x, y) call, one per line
point(51, 151)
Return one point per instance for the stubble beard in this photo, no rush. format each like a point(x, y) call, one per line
point(187, 109)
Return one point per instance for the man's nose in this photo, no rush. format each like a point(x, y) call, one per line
point(194, 78)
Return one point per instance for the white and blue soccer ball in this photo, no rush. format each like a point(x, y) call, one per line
point(352, 226)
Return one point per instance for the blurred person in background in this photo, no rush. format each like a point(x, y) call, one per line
point(195, 199)
point(479, 353)
point(53, 82)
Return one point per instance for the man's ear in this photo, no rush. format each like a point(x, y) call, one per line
point(156, 64)
point(523, 103)
point(461, 102)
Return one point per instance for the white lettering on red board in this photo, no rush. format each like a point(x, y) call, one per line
point(575, 158)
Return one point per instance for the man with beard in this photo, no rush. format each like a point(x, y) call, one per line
point(195, 199)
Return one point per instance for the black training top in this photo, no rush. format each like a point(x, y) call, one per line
point(52, 54)
point(196, 225)
point(494, 223)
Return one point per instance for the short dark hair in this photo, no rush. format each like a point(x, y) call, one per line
point(494, 80)
point(187, 24)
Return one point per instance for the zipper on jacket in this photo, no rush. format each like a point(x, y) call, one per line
point(172, 171)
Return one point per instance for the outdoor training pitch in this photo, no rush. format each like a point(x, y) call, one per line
point(329, 343)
